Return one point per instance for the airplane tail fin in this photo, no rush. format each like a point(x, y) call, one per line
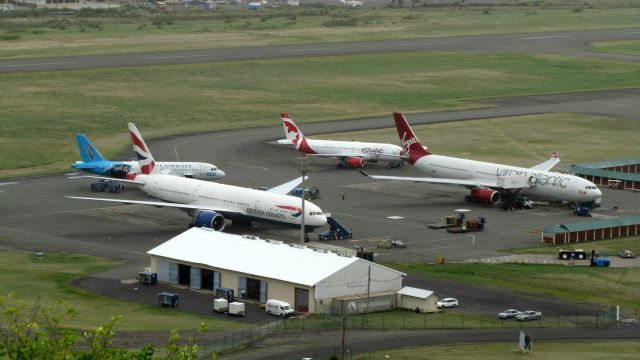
point(411, 146)
point(145, 159)
point(88, 152)
point(291, 131)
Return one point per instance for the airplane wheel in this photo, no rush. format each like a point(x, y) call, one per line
point(467, 198)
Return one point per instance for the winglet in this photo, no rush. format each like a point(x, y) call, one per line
point(147, 164)
point(363, 172)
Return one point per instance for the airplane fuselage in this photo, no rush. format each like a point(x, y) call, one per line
point(196, 170)
point(254, 204)
point(365, 150)
point(542, 184)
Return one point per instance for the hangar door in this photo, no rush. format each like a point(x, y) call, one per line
point(302, 300)
point(249, 288)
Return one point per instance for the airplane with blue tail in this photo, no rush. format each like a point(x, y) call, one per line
point(94, 162)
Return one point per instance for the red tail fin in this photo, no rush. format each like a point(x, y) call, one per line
point(408, 140)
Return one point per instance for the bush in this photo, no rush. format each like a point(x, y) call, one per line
point(341, 22)
point(9, 37)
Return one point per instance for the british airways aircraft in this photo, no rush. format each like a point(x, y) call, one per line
point(489, 182)
point(351, 154)
point(94, 162)
point(210, 202)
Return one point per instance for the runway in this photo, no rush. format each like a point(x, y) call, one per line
point(572, 43)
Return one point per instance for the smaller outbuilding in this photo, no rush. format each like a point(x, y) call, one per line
point(418, 300)
point(618, 174)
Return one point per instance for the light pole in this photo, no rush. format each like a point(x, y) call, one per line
point(303, 165)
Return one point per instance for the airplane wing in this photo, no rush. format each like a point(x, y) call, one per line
point(471, 182)
point(547, 165)
point(164, 204)
point(286, 187)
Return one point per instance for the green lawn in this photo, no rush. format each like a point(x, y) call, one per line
point(611, 247)
point(542, 350)
point(42, 111)
point(140, 30)
point(605, 286)
point(520, 140)
point(631, 47)
point(44, 281)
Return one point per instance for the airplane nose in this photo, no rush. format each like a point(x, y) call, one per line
point(220, 174)
point(597, 193)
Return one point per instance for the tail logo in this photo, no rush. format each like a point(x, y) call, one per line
point(406, 143)
point(292, 129)
point(90, 153)
point(142, 153)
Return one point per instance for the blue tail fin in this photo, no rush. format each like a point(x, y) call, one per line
point(88, 152)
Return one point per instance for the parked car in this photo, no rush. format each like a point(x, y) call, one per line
point(447, 303)
point(627, 254)
point(509, 314)
point(529, 315)
point(398, 243)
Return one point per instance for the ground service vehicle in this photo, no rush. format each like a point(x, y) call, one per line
point(627, 254)
point(220, 305)
point(599, 259)
point(572, 254)
point(447, 303)
point(582, 211)
point(336, 231)
point(529, 315)
point(398, 243)
point(278, 307)
point(509, 314)
point(236, 309)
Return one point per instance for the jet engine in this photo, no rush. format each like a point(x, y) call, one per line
point(487, 196)
point(355, 162)
point(209, 219)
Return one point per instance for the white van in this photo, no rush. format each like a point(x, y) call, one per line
point(277, 307)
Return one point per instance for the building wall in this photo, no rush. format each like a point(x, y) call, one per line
point(425, 305)
point(352, 280)
point(276, 289)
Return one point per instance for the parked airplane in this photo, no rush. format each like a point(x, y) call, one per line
point(350, 153)
point(489, 182)
point(94, 162)
point(209, 202)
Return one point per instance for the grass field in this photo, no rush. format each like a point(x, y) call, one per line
point(131, 30)
point(42, 111)
point(521, 140)
point(631, 47)
point(605, 286)
point(46, 280)
point(611, 247)
point(542, 350)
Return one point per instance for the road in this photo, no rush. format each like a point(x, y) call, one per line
point(574, 43)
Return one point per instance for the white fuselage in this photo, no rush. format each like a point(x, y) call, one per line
point(542, 184)
point(258, 205)
point(196, 170)
point(365, 150)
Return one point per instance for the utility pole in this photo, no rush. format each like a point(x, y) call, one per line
point(303, 165)
point(366, 311)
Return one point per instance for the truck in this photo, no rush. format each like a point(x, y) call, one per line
point(278, 307)
point(336, 231)
point(236, 309)
point(582, 211)
point(220, 305)
point(311, 193)
point(111, 186)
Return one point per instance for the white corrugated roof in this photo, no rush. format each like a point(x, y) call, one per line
point(415, 292)
point(264, 258)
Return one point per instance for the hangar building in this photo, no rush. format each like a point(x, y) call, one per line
point(592, 230)
point(311, 280)
point(624, 171)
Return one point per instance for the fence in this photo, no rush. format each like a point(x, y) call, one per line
point(403, 320)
